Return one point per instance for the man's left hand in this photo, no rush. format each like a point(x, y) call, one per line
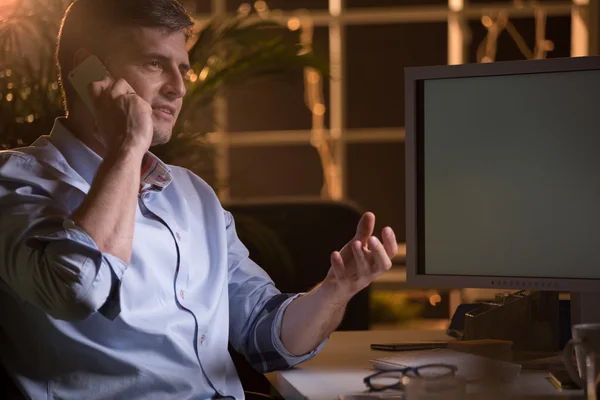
point(362, 260)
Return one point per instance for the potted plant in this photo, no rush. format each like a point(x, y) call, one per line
point(226, 51)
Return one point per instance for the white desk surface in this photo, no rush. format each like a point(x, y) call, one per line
point(344, 361)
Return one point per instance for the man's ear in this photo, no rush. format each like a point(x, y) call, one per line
point(80, 55)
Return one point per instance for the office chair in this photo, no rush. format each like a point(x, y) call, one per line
point(8, 389)
point(292, 241)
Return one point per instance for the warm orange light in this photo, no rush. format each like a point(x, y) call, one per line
point(335, 8)
point(435, 299)
point(293, 24)
point(313, 77)
point(204, 73)
point(244, 9)
point(6, 6)
point(319, 109)
point(486, 21)
point(9, 97)
point(456, 5)
point(260, 6)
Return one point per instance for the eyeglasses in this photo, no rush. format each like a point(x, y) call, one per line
point(397, 378)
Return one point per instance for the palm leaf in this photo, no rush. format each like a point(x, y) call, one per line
point(234, 49)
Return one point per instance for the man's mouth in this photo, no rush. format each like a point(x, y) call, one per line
point(166, 112)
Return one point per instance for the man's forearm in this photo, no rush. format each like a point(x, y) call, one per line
point(311, 318)
point(107, 213)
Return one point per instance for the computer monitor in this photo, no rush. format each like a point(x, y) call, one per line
point(503, 176)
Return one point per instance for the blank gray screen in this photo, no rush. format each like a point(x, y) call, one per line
point(512, 175)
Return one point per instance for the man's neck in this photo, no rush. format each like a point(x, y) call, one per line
point(83, 127)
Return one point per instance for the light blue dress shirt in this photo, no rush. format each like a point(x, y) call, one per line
point(77, 323)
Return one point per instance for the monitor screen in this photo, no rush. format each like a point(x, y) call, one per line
point(507, 177)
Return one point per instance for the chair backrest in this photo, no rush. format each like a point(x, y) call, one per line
point(293, 240)
point(8, 388)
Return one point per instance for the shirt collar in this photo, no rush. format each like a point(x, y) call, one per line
point(155, 174)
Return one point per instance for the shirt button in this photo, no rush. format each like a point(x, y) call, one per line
point(178, 236)
point(202, 339)
point(182, 294)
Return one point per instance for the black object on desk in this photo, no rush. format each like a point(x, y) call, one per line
point(515, 317)
point(409, 346)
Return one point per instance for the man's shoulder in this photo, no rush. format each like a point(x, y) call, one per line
point(40, 151)
point(39, 162)
point(28, 158)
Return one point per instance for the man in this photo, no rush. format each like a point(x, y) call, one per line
point(121, 277)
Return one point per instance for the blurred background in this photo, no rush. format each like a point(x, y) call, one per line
point(307, 132)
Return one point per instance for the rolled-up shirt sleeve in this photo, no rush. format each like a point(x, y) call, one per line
point(46, 260)
point(256, 311)
point(271, 353)
point(290, 359)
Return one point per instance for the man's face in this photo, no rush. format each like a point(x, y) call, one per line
point(154, 63)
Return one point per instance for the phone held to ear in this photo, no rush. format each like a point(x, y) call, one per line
point(92, 70)
point(88, 71)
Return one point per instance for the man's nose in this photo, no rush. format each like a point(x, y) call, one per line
point(175, 87)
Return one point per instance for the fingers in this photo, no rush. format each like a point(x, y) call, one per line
point(361, 259)
point(97, 88)
point(381, 261)
point(364, 230)
point(365, 227)
point(113, 89)
point(337, 264)
point(389, 241)
point(120, 88)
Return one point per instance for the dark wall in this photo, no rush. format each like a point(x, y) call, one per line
point(376, 58)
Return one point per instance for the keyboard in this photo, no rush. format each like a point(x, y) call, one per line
point(471, 367)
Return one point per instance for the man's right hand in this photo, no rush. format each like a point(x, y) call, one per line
point(124, 118)
point(124, 122)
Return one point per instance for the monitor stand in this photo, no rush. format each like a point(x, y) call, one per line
point(585, 307)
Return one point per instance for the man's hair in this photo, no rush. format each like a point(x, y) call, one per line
point(87, 23)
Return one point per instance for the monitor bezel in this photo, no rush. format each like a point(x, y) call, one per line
point(414, 78)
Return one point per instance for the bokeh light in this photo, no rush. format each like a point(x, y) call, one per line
point(293, 24)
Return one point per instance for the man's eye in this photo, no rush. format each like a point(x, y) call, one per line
point(154, 65)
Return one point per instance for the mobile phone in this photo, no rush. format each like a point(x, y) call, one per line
point(89, 70)
point(409, 346)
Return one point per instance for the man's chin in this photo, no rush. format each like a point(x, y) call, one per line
point(161, 137)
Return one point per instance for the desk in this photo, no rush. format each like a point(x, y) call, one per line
point(344, 361)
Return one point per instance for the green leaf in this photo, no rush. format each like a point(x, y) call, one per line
point(236, 49)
